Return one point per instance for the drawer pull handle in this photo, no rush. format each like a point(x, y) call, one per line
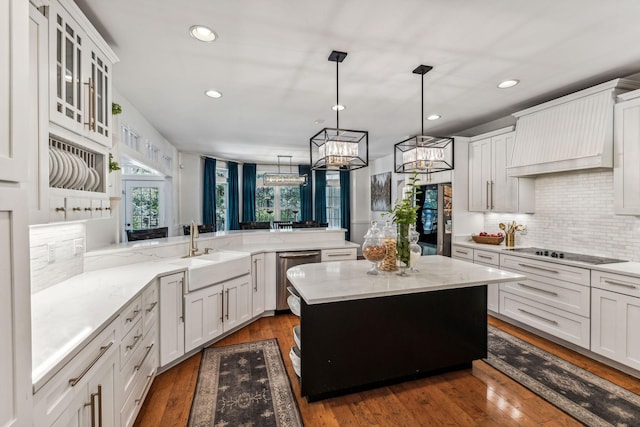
point(339, 254)
point(135, 314)
point(553, 322)
point(59, 209)
point(76, 209)
point(544, 291)
point(87, 209)
point(152, 306)
point(103, 350)
point(227, 314)
point(538, 268)
point(139, 365)
point(144, 390)
point(485, 256)
point(458, 251)
point(136, 338)
point(624, 285)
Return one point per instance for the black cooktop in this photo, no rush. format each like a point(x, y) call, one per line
point(589, 259)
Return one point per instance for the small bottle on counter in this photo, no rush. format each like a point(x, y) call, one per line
point(415, 250)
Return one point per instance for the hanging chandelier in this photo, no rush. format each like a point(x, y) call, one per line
point(339, 149)
point(421, 153)
point(284, 178)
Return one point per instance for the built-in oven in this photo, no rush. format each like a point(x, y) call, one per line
point(286, 260)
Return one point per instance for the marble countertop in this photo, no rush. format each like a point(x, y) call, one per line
point(348, 280)
point(628, 268)
point(65, 317)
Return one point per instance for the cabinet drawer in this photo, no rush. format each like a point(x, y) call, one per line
point(562, 324)
point(547, 269)
point(130, 343)
point(618, 283)
point(338, 254)
point(77, 208)
point(143, 360)
point(56, 208)
point(462, 252)
point(150, 307)
point(56, 395)
point(562, 295)
point(130, 315)
point(486, 257)
point(139, 389)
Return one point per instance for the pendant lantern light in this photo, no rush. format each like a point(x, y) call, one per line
point(284, 178)
point(339, 149)
point(421, 153)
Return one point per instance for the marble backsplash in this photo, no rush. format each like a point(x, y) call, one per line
point(56, 253)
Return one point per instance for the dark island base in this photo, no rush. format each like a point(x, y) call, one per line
point(354, 345)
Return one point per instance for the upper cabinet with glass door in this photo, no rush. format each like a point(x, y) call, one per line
point(81, 66)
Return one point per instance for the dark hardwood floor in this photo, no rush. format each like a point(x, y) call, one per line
point(477, 396)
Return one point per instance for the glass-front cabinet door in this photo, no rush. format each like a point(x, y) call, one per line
point(80, 68)
point(66, 52)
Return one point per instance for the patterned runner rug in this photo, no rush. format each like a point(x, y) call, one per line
point(588, 398)
point(244, 385)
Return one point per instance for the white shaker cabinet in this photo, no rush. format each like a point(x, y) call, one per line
point(15, 314)
point(615, 316)
point(211, 311)
point(486, 258)
point(490, 189)
point(626, 149)
point(171, 318)
point(204, 316)
point(80, 67)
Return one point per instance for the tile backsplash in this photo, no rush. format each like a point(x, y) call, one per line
point(57, 252)
point(574, 213)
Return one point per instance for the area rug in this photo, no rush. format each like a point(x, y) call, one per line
point(244, 385)
point(588, 398)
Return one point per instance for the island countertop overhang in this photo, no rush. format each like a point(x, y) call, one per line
point(348, 280)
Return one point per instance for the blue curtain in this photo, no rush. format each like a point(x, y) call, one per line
point(321, 196)
point(209, 192)
point(248, 192)
point(345, 203)
point(234, 197)
point(306, 201)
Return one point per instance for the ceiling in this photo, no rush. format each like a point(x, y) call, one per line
point(270, 63)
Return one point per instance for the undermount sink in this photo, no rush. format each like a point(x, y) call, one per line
point(214, 267)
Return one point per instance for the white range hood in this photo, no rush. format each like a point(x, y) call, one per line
point(570, 133)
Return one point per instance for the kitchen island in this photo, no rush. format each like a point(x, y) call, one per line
point(360, 331)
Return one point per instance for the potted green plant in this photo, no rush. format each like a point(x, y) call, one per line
point(113, 165)
point(404, 214)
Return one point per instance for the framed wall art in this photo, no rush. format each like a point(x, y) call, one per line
point(381, 192)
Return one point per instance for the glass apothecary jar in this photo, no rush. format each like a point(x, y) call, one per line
point(373, 248)
point(389, 236)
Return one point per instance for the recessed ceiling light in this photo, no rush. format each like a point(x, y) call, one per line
point(202, 33)
point(434, 117)
point(211, 93)
point(338, 107)
point(508, 83)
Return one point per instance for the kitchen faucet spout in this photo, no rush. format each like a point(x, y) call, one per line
point(193, 235)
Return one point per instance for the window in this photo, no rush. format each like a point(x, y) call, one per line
point(279, 203)
point(222, 198)
point(333, 199)
point(144, 201)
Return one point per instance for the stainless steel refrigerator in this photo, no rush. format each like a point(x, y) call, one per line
point(434, 219)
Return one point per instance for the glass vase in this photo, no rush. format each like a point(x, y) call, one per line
point(402, 248)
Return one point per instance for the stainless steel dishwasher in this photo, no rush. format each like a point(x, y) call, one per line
point(286, 260)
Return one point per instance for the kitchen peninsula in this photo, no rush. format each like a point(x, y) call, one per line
point(360, 331)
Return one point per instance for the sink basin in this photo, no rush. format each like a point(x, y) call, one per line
point(214, 267)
